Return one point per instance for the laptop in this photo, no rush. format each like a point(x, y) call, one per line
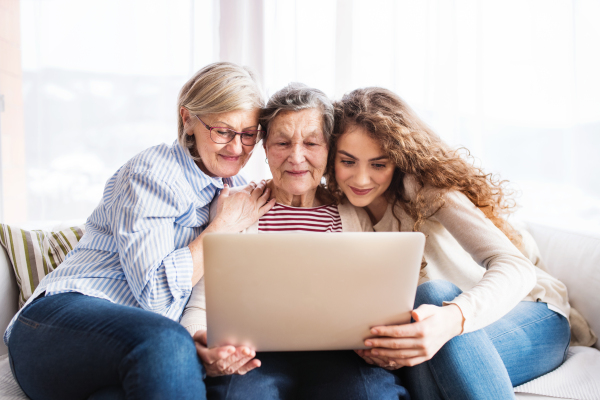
point(308, 291)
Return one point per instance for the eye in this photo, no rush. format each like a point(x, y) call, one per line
point(379, 166)
point(311, 144)
point(347, 162)
point(224, 133)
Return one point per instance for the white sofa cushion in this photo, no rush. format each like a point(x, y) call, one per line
point(573, 258)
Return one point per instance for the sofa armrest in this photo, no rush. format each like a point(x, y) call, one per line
point(9, 295)
point(573, 258)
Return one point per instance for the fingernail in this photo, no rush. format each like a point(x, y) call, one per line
point(374, 352)
point(368, 343)
point(374, 331)
point(230, 350)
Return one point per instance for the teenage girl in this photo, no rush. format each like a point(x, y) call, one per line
point(485, 319)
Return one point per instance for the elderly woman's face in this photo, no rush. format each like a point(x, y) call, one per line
point(297, 151)
point(223, 160)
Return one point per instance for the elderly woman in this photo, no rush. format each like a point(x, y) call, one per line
point(298, 121)
point(106, 320)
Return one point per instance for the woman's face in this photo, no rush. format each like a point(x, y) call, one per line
point(362, 170)
point(297, 151)
point(222, 160)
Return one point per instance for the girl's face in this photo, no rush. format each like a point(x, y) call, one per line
point(362, 170)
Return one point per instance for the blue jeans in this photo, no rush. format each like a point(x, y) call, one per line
point(72, 346)
point(528, 342)
point(309, 375)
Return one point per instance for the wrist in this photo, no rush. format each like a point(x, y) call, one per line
point(456, 317)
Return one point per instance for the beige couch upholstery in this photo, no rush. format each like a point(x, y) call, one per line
point(573, 257)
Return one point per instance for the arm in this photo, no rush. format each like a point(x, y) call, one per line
point(509, 275)
point(230, 214)
point(508, 279)
point(235, 212)
point(144, 213)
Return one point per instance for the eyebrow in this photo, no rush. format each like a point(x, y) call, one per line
point(226, 125)
point(354, 158)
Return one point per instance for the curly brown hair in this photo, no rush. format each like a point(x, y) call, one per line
point(416, 150)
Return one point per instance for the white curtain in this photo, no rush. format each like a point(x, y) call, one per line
point(516, 82)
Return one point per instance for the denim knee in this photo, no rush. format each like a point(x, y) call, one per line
point(166, 346)
point(436, 292)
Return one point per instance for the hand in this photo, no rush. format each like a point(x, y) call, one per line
point(225, 360)
point(239, 208)
point(380, 362)
point(411, 344)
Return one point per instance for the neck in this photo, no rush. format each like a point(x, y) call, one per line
point(376, 209)
point(308, 199)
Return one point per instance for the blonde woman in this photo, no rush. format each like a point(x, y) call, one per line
point(106, 322)
point(485, 318)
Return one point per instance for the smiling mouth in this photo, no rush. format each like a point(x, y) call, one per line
point(297, 173)
point(360, 192)
point(229, 158)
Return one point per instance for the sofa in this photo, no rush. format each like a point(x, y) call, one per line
point(573, 257)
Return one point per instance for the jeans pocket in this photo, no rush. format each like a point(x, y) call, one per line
point(26, 321)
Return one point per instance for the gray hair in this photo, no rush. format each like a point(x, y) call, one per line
point(295, 97)
point(217, 88)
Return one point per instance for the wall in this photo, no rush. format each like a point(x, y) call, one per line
point(13, 206)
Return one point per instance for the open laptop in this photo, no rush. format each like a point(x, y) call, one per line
point(303, 291)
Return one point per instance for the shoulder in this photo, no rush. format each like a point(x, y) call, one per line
point(157, 161)
point(354, 219)
point(148, 175)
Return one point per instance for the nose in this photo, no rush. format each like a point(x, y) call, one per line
point(297, 155)
point(235, 146)
point(362, 177)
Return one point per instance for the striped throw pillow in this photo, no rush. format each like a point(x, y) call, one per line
point(34, 254)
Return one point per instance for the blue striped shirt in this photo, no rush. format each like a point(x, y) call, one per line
point(134, 251)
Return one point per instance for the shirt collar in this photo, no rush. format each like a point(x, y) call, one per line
point(194, 175)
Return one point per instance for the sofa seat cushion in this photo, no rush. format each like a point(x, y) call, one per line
point(577, 378)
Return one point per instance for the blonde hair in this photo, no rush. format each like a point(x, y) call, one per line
point(416, 150)
point(217, 88)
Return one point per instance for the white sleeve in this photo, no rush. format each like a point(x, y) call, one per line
point(194, 316)
point(509, 275)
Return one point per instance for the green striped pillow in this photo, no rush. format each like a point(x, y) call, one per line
point(34, 254)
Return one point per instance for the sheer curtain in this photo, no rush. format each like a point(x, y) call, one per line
point(515, 82)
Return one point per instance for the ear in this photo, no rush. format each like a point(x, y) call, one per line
point(185, 117)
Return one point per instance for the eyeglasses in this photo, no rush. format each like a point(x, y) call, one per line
point(222, 135)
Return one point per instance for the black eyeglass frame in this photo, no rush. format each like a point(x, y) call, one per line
point(259, 133)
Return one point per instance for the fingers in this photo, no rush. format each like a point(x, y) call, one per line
point(240, 353)
point(399, 331)
point(266, 207)
point(212, 356)
point(393, 343)
point(235, 366)
point(423, 312)
point(259, 190)
point(249, 366)
point(225, 190)
point(398, 354)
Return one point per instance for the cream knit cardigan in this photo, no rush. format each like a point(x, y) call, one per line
point(464, 247)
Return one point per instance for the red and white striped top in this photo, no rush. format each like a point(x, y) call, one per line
point(283, 218)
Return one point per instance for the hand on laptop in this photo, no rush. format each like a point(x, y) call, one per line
point(411, 344)
point(225, 360)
